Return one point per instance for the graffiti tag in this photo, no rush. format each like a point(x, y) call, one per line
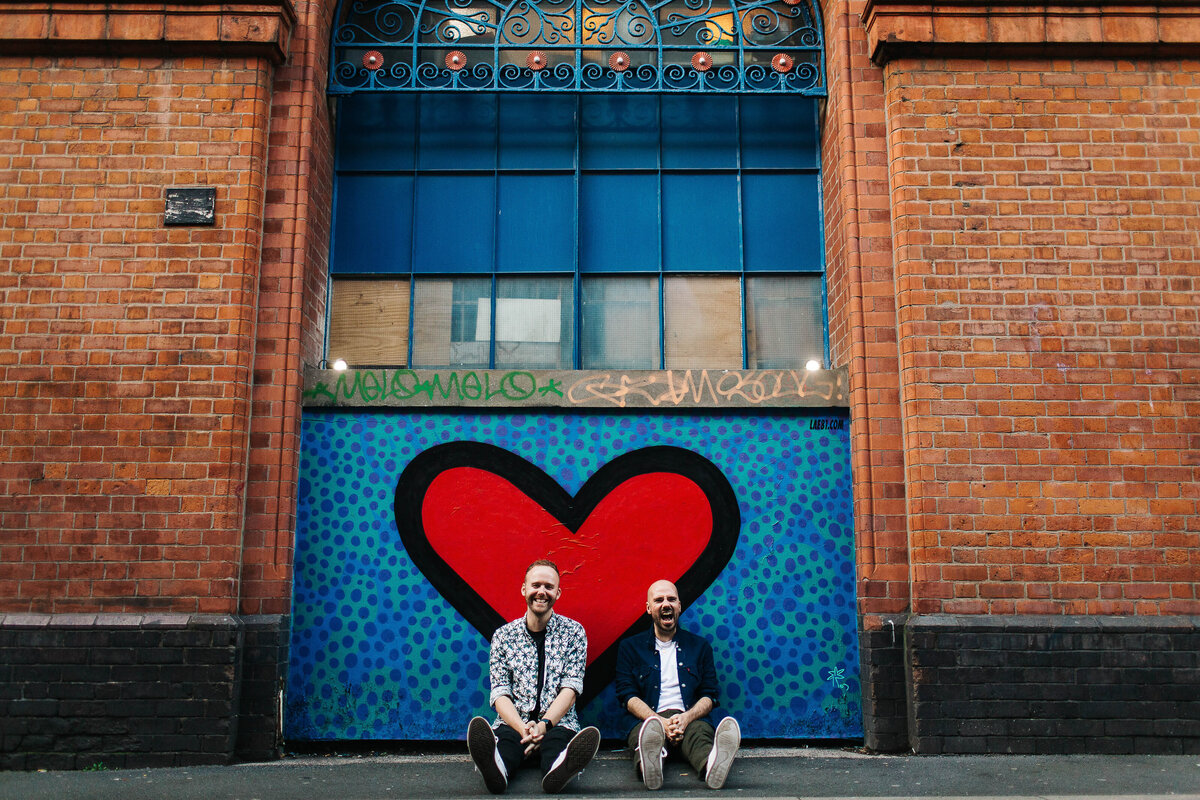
point(674, 388)
point(698, 388)
point(374, 386)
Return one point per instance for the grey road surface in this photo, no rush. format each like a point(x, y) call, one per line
point(758, 773)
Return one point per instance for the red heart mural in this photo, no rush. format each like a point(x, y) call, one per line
point(473, 516)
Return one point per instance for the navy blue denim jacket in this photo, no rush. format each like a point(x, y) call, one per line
point(638, 670)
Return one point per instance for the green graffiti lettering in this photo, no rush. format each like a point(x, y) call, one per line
point(320, 390)
point(472, 388)
point(517, 386)
point(400, 385)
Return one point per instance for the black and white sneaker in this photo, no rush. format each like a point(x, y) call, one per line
point(481, 743)
point(725, 747)
point(578, 753)
point(651, 738)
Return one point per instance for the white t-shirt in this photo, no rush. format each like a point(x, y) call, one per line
point(669, 695)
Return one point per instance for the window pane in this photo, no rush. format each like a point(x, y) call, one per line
point(535, 322)
point(779, 132)
point(620, 323)
point(703, 322)
point(784, 323)
point(537, 131)
point(536, 224)
point(457, 131)
point(455, 223)
point(372, 225)
point(783, 222)
point(368, 322)
point(700, 223)
point(446, 322)
point(699, 131)
point(619, 132)
point(376, 132)
point(619, 223)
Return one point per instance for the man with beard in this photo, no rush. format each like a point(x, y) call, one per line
point(536, 669)
point(667, 681)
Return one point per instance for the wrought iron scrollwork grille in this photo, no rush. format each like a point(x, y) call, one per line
point(671, 46)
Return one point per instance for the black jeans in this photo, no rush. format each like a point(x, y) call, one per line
point(512, 752)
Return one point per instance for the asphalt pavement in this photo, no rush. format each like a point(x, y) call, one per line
point(758, 773)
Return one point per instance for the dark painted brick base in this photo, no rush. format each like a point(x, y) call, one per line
point(264, 671)
point(77, 690)
point(1053, 684)
point(885, 713)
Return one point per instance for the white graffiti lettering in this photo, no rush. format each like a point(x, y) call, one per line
point(675, 388)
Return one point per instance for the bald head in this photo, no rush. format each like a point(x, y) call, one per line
point(661, 587)
point(664, 608)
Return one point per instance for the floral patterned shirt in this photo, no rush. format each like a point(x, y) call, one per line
point(514, 660)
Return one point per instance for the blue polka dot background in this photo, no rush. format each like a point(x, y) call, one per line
point(377, 653)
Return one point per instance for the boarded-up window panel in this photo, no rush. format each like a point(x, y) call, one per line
point(703, 316)
point(368, 323)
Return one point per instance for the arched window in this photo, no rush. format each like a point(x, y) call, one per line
point(526, 215)
point(579, 46)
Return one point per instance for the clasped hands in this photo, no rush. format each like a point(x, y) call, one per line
point(533, 734)
point(675, 726)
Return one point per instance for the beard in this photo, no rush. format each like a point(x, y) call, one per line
point(533, 600)
point(666, 618)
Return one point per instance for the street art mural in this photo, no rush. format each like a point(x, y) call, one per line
point(415, 529)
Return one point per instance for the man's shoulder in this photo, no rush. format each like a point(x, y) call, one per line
point(566, 624)
point(693, 639)
point(640, 639)
point(509, 629)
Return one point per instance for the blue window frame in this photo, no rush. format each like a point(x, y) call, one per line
point(574, 231)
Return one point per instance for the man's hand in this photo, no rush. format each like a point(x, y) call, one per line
point(534, 731)
point(675, 726)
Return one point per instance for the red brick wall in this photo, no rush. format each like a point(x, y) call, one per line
point(125, 346)
point(862, 304)
point(1047, 239)
point(293, 290)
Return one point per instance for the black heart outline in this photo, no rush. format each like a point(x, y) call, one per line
point(572, 512)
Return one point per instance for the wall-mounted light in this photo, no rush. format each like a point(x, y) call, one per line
point(340, 365)
point(813, 365)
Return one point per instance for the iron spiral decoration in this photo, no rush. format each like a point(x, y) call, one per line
point(747, 41)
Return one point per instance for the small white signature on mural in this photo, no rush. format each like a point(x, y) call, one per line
point(837, 676)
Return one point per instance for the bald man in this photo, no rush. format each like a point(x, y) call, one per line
point(667, 681)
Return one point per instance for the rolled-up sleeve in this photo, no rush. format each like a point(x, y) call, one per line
point(574, 660)
point(499, 672)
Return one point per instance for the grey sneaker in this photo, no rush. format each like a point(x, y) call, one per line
point(578, 753)
point(725, 747)
point(481, 743)
point(651, 737)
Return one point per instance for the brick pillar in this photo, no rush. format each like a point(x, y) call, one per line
point(128, 343)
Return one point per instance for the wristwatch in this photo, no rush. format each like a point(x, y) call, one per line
point(548, 722)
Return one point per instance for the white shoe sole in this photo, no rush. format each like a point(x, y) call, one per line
point(725, 746)
point(651, 738)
